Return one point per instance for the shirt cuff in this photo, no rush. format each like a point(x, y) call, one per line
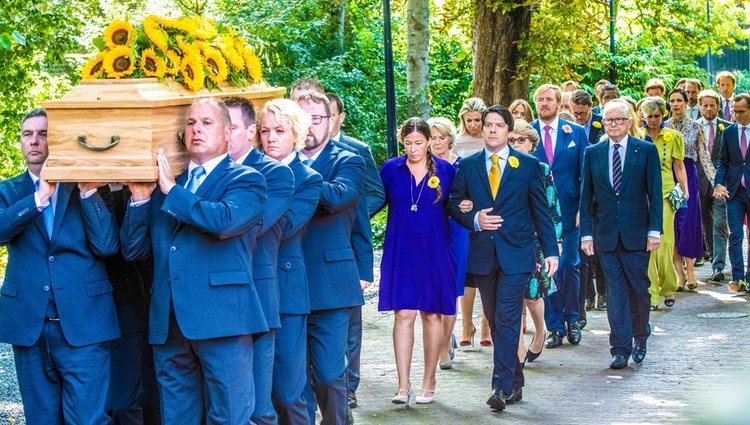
point(476, 223)
point(88, 194)
point(587, 238)
point(654, 234)
point(136, 204)
point(38, 202)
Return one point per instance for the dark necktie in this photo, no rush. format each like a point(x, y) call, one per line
point(616, 169)
point(195, 176)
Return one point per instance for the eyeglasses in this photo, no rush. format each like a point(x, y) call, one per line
point(616, 121)
point(514, 140)
point(317, 119)
point(580, 114)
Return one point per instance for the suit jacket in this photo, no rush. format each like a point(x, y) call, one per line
point(329, 258)
point(362, 230)
point(566, 167)
point(293, 288)
point(636, 211)
point(595, 133)
point(521, 201)
point(715, 151)
point(732, 166)
point(373, 186)
point(131, 280)
point(280, 184)
point(203, 253)
point(70, 265)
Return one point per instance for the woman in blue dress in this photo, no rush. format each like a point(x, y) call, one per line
point(418, 271)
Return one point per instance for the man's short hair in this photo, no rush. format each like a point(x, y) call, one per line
point(655, 83)
point(709, 93)
point(698, 83)
point(308, 84)
point(742, 96)
point(617, 104)
point(247, 110)
point(502, 111)
point(36, 112)
point(726, 74)
point(223, 111)
point(316, 97)
point(334, 98)
point(610, 87)
point(545, 87)
point(570, 85)
point(581, 97)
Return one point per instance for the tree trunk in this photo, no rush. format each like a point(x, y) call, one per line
point(417, 56)
point(496, 53)
point(343, 5)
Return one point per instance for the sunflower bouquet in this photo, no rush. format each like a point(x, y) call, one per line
point(193, 51)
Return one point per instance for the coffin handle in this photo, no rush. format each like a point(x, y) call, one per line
point(114, 140)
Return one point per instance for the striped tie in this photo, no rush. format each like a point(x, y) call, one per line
point(616, 169)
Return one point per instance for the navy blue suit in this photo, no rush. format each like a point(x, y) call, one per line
point(501, 261)
point(619, 225)
point(730, 170)
point(204, 306)
point(595, 133)
point(333, 279)
point(280, 183)
point(563, 306)
point(290, 361)
point(62, 364)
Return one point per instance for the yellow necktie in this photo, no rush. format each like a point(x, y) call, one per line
point(494, 176)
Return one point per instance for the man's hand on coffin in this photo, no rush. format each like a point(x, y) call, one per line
point(46, 189)
point(141, 191)
point(166, 179)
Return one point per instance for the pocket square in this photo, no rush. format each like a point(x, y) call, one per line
point(571, 144)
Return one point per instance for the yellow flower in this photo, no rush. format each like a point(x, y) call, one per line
point(119, 62)
point(173, 62)
point(216, 65)
point(226, 45)
point(252, 63)
point(191, 70)
point(202, 28)
point(513, 162)
point(596, 124)
point(94, 67)
point(155, 33)
point(152, 65)
point(667, 136)
point(433, 182)
point(721, 127)
point(119, 33)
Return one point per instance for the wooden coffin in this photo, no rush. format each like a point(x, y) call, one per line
point(110, 130)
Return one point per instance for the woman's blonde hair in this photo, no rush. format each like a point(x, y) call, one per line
point(472, 104)
point(291, 116)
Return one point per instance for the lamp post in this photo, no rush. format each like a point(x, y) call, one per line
point(708, 52)
point(612, 66)
point(390, 91)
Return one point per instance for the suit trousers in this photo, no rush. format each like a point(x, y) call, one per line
point(60, 383)
point(263, 355)
point(592, 281)
point(126, 385)
point(502, 298)
point(628, 297)
point(562, 306)
point(715, 230)
point(214, 376)
point(326, 384)
point(737, 209)
point(353, 349)
point(290, 370)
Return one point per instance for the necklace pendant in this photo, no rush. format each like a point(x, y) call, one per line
point(414, 207)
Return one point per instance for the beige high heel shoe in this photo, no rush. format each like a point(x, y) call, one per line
point(403, 396)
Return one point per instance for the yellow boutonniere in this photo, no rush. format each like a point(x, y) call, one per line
point(667, 137)
point(721, 127)
point(566, 129)
point(513, 162)
point(596, 124)
point(433, 182)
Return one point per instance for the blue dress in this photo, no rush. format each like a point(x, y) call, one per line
point(418, 271)
point(460, 241)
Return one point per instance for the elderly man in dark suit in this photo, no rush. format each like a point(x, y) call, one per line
point(204, 306)
point(56, 302)
point(332, 271)
point(621, 218)
point(280, 187)
point(713, 211)
point(505, 189)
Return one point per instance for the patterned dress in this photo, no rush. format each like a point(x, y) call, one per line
point(540, 284)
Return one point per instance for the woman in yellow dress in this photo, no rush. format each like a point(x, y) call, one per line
point(671, 148)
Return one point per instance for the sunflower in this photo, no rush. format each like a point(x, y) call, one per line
point(119, 33)
point(201, 28)
point(94, 67)
point(216, 65)
point(173, 62)
point(119, 62)
point(191, 70)
point(152, 65)
point(155, 33)
point(226, 45)
point(252, 63)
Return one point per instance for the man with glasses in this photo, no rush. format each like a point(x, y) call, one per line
point(621, 219)
point(731, 184)
point(332, 273)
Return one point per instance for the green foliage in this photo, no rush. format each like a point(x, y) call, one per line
point(378, 228)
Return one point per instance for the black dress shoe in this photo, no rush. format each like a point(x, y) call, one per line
point(639, 353)
point(352, 399)
point(496, 401)
point(574, 333)
point(514, 397)
point(618, 362)
point(590, 304)
point(553, 340)
point(717, 278)
point(601, 303)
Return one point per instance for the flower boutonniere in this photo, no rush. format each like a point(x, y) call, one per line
point(513, 162)
point(721, 127)
point(596, 124)
point(667, 136)
point(567, 129)
point(433, 182)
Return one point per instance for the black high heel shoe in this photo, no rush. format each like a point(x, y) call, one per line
point(531, 356)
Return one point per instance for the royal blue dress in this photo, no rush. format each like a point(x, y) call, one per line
point(460, 241)
point(418, 271)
